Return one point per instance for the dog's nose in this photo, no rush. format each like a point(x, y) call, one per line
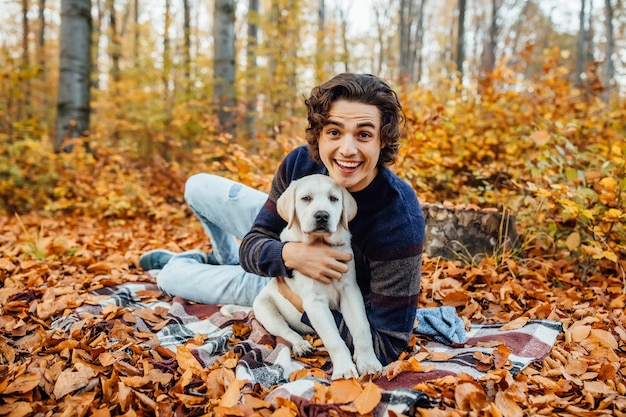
point(321, 216)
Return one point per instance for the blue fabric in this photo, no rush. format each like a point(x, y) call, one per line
point(442, 324)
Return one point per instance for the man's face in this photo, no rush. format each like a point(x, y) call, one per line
point(350, 144)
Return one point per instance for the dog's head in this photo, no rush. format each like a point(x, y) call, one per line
point(317, 205)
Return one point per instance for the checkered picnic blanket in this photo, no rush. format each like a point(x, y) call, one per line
point(267, 361)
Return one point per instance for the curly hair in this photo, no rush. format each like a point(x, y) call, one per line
point(362, 88)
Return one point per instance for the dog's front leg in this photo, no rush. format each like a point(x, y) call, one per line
point(354, 314)
point(268, 313)
point(323, 322)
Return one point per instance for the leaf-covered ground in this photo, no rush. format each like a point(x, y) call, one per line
point(48, 267)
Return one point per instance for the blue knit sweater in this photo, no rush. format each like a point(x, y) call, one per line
point(387, 239)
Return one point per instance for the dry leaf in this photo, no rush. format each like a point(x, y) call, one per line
point(187, 361)
point(23, 383)
point(501, 356)
point(368, 399)
point(344, 390)
point(470, 396)
point(231, 396)
point(410, 365)
point(518, 323)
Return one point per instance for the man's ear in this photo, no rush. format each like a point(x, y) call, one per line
point(286, 204)
point(349, 207)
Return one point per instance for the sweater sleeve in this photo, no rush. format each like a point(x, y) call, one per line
point(260, 251)
point(392, 305)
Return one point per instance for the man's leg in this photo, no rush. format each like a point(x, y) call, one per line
point(185, 276)
point(226, 210)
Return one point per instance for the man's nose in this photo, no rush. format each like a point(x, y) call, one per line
point(348, 145)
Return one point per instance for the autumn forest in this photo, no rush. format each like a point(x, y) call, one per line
point(108, 106)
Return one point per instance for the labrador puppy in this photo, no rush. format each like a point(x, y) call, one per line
point(316, 208)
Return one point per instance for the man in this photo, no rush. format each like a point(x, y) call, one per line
point(353, 132)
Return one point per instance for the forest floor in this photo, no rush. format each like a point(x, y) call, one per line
point(49, 266)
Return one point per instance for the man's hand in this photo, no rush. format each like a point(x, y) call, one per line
point(318, 261)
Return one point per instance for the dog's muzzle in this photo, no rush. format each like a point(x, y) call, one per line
point(321, 220)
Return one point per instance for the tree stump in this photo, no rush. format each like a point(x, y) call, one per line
point(468, 233)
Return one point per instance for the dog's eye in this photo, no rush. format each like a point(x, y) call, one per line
point(333, 198)
point(306, 198)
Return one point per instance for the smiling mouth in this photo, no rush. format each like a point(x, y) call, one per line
point(351, 165)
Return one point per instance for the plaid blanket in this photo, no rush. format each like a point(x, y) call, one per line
point(267, 361)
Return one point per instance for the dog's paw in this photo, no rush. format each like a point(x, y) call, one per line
point(368, 364)
point(302, 348)
point(344, 371)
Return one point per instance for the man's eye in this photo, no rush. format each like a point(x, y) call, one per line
point(365, 135)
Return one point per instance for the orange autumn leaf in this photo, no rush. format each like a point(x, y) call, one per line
point(187, 361)
point(231, 395)
point(410, 365)
point(501, 356)
point(344, 390)
point(368, 399)
point(518, 323)
point(23, 384)
point(540, 137)
point(470, 396)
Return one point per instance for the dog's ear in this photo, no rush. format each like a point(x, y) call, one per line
point(286, 204)
point(349, 208)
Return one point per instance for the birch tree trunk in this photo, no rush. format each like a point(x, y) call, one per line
point(252, 78)
point(580, 53)
point(320, 43)
point(26, 58)
point(187, 49)
point(609, 69)
point(224, 63)
point(73, 100)
point(460, 47)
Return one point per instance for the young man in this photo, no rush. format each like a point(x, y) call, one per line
point(354, 128)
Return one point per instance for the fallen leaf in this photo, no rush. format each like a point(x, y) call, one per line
point(23, 383)
point(470, 396)
point(518, 323)
point(344, 390)
point(368, 399)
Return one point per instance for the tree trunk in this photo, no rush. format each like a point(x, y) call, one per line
point(489, 61)
point(420, 41)
point(609, 70)
point(41, 51)
point(96, 32)
point(460, 47)
point(136, 33)
point(114, 44)
point(73, 101)
point(467, 234)
point(251, 67)
point(580, 53)
point(343, 24)
point(320, 36)
point(26, 59)
point(187, 49)
point(406, 40)
point(224, 63)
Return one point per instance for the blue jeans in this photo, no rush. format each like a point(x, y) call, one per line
point(226, 210)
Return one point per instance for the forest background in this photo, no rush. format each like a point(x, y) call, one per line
point(512, 105)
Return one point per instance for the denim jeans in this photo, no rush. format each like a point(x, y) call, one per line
point(226, 210)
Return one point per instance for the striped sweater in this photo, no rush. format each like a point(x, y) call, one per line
point(387, 239)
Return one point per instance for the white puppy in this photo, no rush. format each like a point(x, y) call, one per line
point(316, 208)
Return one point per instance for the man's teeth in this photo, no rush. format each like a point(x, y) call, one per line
point(348, 164)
